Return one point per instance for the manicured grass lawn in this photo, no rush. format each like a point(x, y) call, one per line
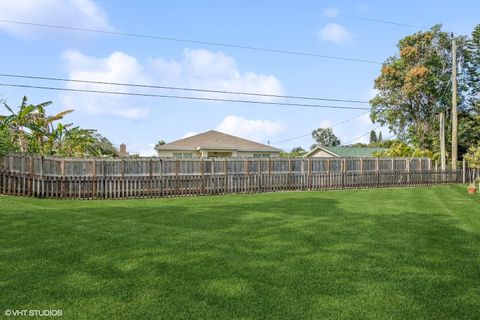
point(366, 254)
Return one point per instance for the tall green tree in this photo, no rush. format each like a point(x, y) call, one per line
point(324, 137)
point(414, 85)
point(473, 69)
point(31, 129)
point(104, 147)
point(373, 138)
point(6, 142)
point(79, 142)
point(22, 125)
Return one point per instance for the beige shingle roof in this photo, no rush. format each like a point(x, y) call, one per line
point(216, 140)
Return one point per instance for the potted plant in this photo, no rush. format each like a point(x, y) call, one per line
point(471, 188)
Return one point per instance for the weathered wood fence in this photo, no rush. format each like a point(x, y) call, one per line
point(99, 178)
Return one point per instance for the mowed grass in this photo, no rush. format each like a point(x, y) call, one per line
point(364, 254)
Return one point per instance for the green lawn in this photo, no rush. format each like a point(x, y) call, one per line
point(363, 254)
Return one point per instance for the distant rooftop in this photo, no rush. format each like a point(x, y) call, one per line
point(356, 152)
point(216, 140)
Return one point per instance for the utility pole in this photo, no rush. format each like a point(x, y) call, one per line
point(454, 106)
point(442, 141)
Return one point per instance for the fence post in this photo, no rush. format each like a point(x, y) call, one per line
point(420, 164)
point(177, 164)
point(123, 185)
point(329, 178)
point(259, 173)
point(407, 168)
point(62, 181)
point(225, 176)
point(104, 180)
point(30, 182)
point(94, 178)
point(464, 164)
point(212, 176)
point(270, 174)
point(150, 182)
point(247, 172)
point(289, 182)
point(160, 184)
point(202, 169)
point(41, 177)
point(309, 173)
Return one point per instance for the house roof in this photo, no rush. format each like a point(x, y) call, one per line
point(346, 152)
point(214, 140)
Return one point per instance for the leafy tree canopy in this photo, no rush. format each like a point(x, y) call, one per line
point(31, 129)
point(412, 86)
point(402, 150)
point(295, 152)
point(473, 157)
point(324, 137)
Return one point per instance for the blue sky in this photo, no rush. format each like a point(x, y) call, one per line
point(321, 27)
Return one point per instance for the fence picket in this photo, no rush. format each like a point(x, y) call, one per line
point(26, 175)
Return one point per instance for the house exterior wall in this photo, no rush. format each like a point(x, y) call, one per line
point(169, 153)
point(204, 153)
point(321, 154)
point(249, 154)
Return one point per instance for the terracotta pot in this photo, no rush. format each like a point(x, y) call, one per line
point(472, 190)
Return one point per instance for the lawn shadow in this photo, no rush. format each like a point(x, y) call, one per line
point(272, 256)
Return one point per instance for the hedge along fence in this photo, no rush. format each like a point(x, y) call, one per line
point(93, 178)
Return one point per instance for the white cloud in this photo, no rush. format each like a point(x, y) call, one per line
point(76, 13)
point(214, 70)
point(117, 67)
point(331, 12)
point(197, 69)
point(334, 32)
point(257, 130)
point(143, 149)
point(189, 134)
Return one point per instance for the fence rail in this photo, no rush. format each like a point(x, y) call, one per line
point(95, 167)
point(23, 175)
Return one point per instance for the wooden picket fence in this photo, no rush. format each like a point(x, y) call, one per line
point(97, 178)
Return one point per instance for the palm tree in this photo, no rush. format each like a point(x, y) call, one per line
point(31, 127)
point(21, 124)
point(46, 124)
point(79, 142)
point(32, 130)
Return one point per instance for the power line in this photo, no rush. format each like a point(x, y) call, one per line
point(363, 135)
point(329, 127)
point(355, 17)
point(399, 24)
point(183, 97)
point(180, 88)
point(210, 43)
